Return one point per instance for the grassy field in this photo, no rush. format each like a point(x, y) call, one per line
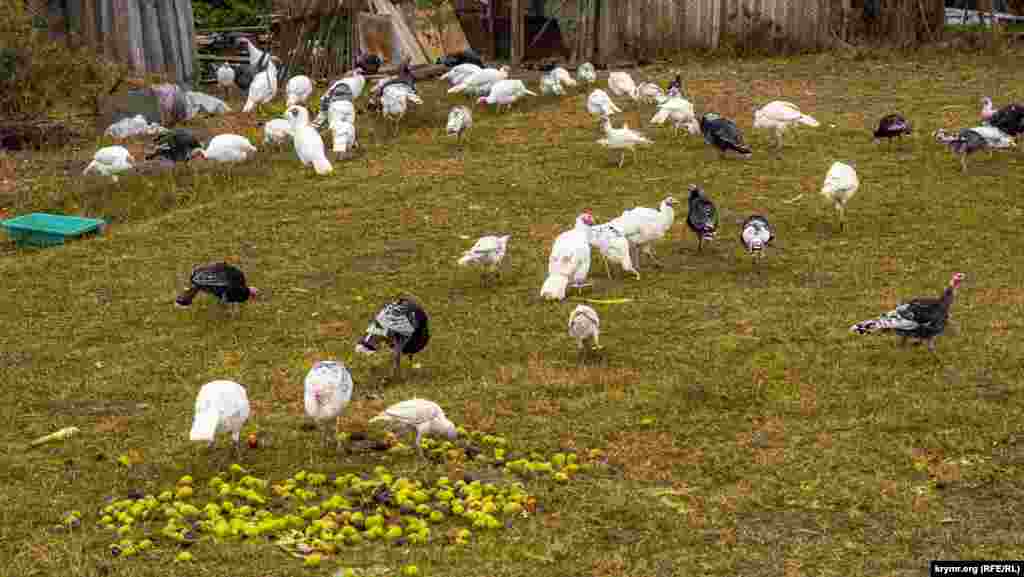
point(747, 431)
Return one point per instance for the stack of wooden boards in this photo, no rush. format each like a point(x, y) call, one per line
point(387, 31)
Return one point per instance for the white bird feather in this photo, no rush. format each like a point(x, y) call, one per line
point(110, 160)
point(680, 111)
point(841, 183)
point(299, 89)
point(600, 104)
point(328, 390)
point(585, 327)
point(779, 116)
point(228, 148)
point(460, 120)
point(309, 146)
point(420, 415)
point(277, 131)
point(221, 406)
point(569, 260)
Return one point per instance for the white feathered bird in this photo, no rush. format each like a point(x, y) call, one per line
point(600, 104)
point(110, 160)
point(506, 92)
point(550, 85)
point(328, 390)
point(309, 146)
point(460, 120)
point(569, 260)
point(221, 406)
point(680, 111)
point(586, 73)
point(299, 89)
point(585, 327)
point(225, 78)
point(488, 252)
point(780, 115)
point(263, 87)
point(563, 76)
point(650, 92)
point(277, 131)
point(622, 139)
point(841, 183)
point(420, 415)
point(341, 120)
point(613, 246)
point(756, 234)
point(485, 77)
point(395, 102)
point(228, 148)
point(344, 89)
point(643, 226)
point(621, 84)
point(459, 73)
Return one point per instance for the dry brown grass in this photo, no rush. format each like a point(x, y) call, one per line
point(650, 455)
point(540, 372)
point(112, 424)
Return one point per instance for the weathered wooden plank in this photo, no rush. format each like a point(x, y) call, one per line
point(189, 40)
point(136, 59)
point(88, 21)
point(151, 38)
point(56, 20)
point(409, 45)
point(106, 27)
point(516, 27)
point(376, 36)
point(184, 40)
point(168, 24)
point(606, 32)
point(73, 10)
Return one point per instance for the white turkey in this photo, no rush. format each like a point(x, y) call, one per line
point(346, 89)
point(298, 90)
point(110, 160)
point(341, 118)
point(221, 406)
point(841, 183)
point(650, 93)
point(419, 415)
point(403, 325)
point(277, 131)
point(920, 318)
point(621, 84)
point(226, 148)
point(550, 85)
point(779, 116)
point(622, 139)
point(459, 73)
point(506, 93)
point(570, 259)
point(971, 140)
point(601, 105)
point(563, 76)
point(225, 78)
point(395, 102)
point(263, 87)
point(483, 79)
point(613, 246)
point(585, 327)
point(586, 73)
point(680, 111)
point(755, 235)
point(643, 226)
point(488, 252)
point(309, 146)
point(460, 120)
point(328, 390)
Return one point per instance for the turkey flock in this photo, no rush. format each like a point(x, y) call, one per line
point(402, 326)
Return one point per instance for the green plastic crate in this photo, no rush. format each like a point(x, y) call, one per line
point(42, 229)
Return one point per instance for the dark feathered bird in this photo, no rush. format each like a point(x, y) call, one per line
point(970, 140)
point(224, 281)
point(892, 126)
point(1009, 119)
point(756, 234)
point(177, 145)
point(370, 63)
point(923, 318)
point(402, 324)
point(703, 216)
point(467, 56)
point(723, 134)
point(675, 88)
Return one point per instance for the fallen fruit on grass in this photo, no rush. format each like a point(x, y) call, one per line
point(184, 556)
point(312, 560)
point(184, 492)
point(410, 570)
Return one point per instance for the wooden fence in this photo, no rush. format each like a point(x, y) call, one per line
point(150, 36)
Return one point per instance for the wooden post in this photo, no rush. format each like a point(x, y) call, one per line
point(185, 41)
point(136, 59)
point(106, 27)
point(518, 42)
point(88, 22)
point(169, 34)
point(151, 38)
point(56, 18)
point(607, 40)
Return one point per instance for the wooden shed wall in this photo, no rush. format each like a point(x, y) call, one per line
point(150, 36)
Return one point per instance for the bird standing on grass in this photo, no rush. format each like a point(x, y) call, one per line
point(921, 318)
point(703, 216)
point(971, 140)
point(110, 160)
point(723, 134)
point(600, 104)
point(460, 120)
point(298, 90)
point(309, 146)
point(220, 406)
point(779, 116)
point(841, 183)
point(755, 235)
point(328, 389)
point(488, 252)
point(569, 260)
point(402, 324)
point(420, 415)
point(585, 327)
point(586, 73)
point(643, 226)
point(612, 245)
point(225, 78)
point(224, 281)
point(622, 139)
point(226, 148)
point(176, 145)
point(892, 126)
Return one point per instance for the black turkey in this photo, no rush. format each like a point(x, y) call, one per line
point(922, 318)
point(723, 134)
point(892, 126)
point(402, 324)
point(370, 63)
point(467, 56)
point(756, 234)
point(177, 145)
point(1009, 119)
point(703, 216)
point(224, 281)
